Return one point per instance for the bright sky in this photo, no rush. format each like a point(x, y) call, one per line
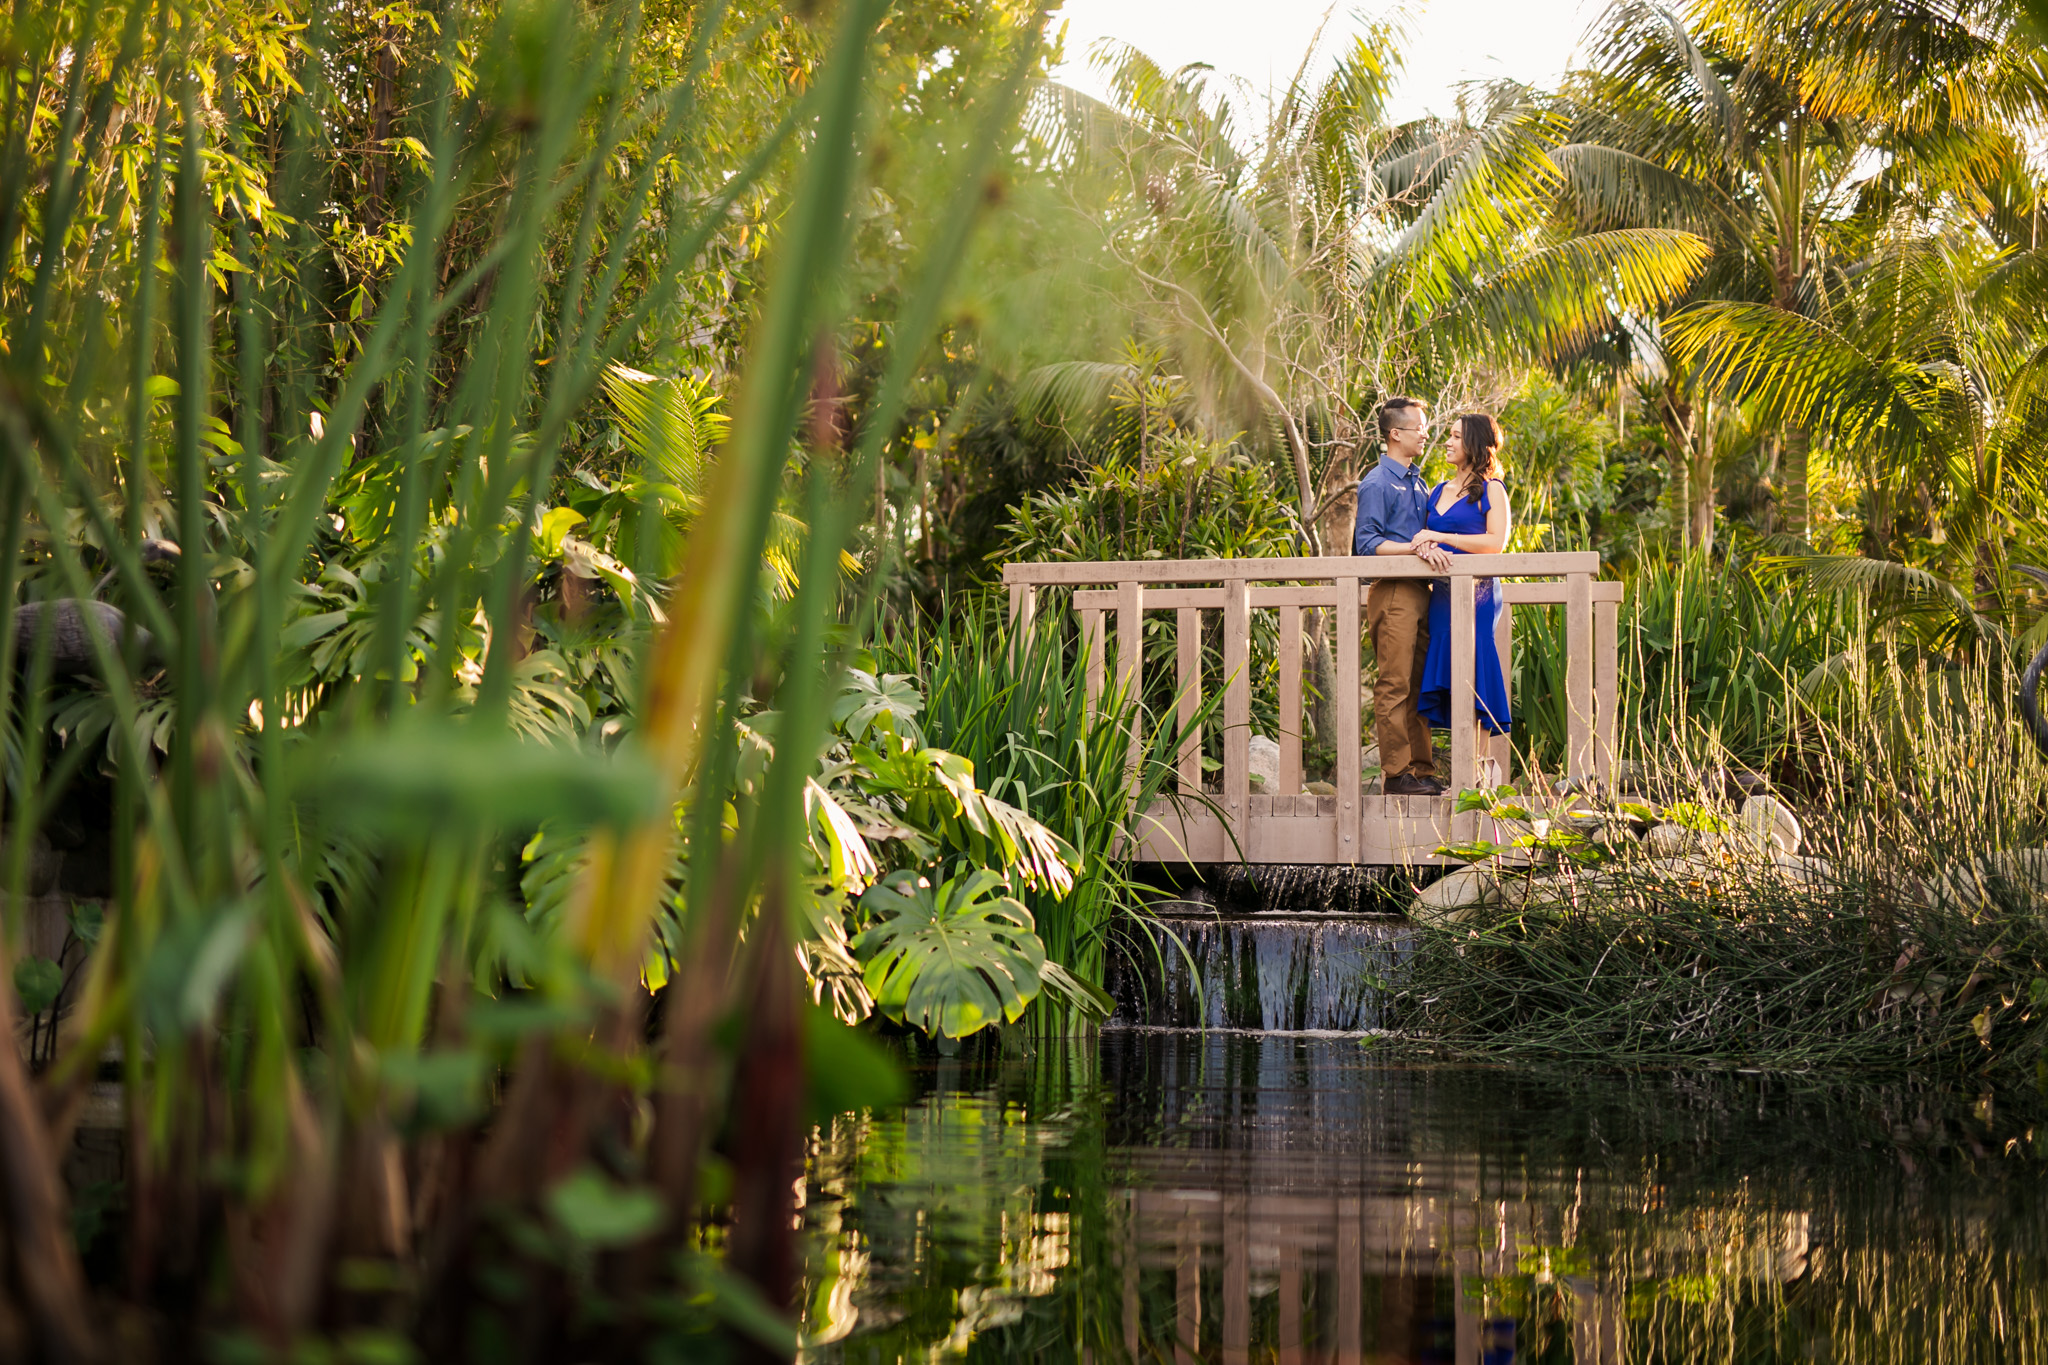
point(1263, 40)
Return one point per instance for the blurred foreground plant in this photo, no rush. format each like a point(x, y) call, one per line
point(366, 1100)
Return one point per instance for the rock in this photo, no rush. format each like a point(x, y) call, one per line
point(1668, 841)
point(1265, 762)
point(1812, 874)
point(1369, 758)
point(1692, 868)
point(45, 863)
point(1375, 786)
point(1456, 896)
point(1319, 788)
point(1766, 819)
point(1524, 892)
point(1743, 783)
point(1991, 881)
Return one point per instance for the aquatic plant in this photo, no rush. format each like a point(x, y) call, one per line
point(1908, 935)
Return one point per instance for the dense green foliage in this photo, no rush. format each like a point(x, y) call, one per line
point(499, 504)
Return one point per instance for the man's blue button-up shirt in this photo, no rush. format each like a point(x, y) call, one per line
point(1393, 505)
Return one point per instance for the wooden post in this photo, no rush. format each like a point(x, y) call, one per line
point(1187, 1293)
point(1091, 652)
point(1504, 645)
point(1130, 663)
point(1578, 675)
point(1350, 1282)
point(1023, 607)
point(1188, 644)
point(1290, 700)
point(1464, 646)
point(1346, 704)
point(1237, 1280)
point(1133, 1308)
point(1290, 1299)
point(1468, 1311)
point(1237, 712)
point(1606, 686)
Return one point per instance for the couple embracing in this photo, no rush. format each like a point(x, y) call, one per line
point(1410, 619)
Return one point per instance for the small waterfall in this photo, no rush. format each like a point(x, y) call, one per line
point(1269, 973)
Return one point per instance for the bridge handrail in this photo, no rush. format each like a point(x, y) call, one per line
point(1591, 663)
point(1068, 573)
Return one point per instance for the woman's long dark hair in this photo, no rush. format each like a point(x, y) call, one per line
point(1483, 441)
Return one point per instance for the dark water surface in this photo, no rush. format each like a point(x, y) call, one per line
point(1227, 1197)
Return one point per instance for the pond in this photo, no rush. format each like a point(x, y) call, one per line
point(1182, 1196)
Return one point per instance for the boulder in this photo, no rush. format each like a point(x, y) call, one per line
point(1693, 867)
point(1991, 881)
point(45, 863)
point(1265, 762)
point(1765, 820)
point(1456, 896)
point(1668, 841)
point(1319, 788)
point(1812, 874)
point(1369, 758)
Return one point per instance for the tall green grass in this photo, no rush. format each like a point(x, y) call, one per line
point(1713, 657)
point(1914, 940)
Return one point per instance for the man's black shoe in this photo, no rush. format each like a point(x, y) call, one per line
point(1408, 784)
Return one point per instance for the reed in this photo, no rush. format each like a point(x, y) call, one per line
point(1913, 937)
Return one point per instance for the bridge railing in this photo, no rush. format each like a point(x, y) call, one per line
point(1127, 589)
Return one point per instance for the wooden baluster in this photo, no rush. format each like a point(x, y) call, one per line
point(1606, 686)
point(1578, 675)
point(1091, 652)
point(1133, 1308)
point(1023, 607)
point(1504, 648)
point(1290, 700)
point(1130, 664)
point(1350, 1282)
point(1237, 712)
point(1464, 646)
point(1290, 1297)
point(1187, 1293)
point(1347, 703)
point(1188, 641)
point(1237, 1279)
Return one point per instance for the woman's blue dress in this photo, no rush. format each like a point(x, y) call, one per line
point(1489, 687)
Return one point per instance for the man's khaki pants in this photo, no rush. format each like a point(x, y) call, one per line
point(1397, 617)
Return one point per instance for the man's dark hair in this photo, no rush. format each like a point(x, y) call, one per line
point(1392, 409)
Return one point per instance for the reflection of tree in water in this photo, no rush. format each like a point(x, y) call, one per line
point(1240, 1199)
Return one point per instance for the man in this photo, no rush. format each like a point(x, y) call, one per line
point(1393, 504)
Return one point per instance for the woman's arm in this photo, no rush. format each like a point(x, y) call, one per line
point(1490, 542)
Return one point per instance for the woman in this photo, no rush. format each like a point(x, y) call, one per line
point(1468, 515)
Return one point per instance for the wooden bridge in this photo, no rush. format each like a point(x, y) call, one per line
point(1288, 824)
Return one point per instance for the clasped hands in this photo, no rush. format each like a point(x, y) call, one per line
point(1427, 547)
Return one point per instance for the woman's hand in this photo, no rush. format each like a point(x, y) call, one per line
point(1426, 537)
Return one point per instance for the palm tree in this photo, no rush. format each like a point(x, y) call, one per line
point(1927, 366)
point(1786, 135)
point(1330, 255)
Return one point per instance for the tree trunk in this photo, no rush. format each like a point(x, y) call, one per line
point(1701, 533)
point(1797, 446)
point(1675, 409)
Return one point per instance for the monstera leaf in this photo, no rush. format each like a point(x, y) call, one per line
point(952, 959)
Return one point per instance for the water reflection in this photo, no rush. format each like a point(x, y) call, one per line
point(1184, 1197)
